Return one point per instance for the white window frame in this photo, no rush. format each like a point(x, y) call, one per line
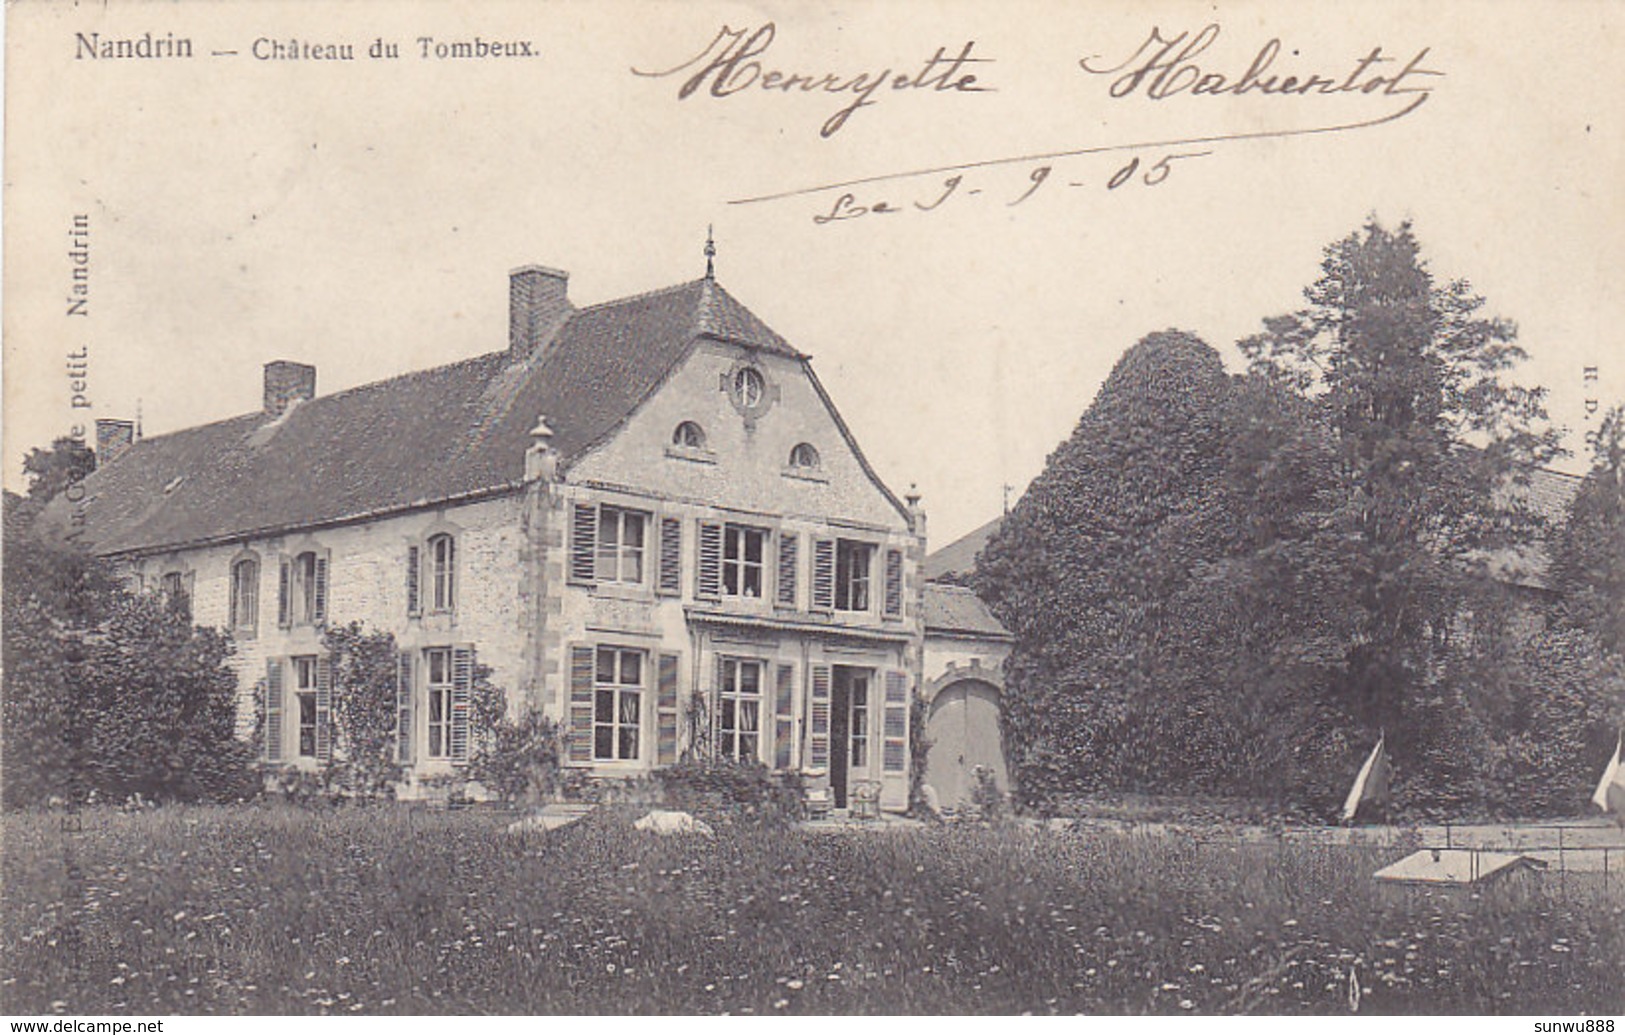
point(615, 562)
point(847, 580)
point(733, 701)
point(612, 689)
point(735, 563)
point(858, 712)
point(442, 571)
point(244, 601)
point(750, 387)
point(303, 670)
point(437, 691)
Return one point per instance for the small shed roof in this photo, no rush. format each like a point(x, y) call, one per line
point(1454, 866)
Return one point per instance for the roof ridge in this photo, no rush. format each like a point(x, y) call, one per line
point(639, 297)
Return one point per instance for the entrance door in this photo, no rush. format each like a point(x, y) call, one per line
point(849, 730)
point(964, 729)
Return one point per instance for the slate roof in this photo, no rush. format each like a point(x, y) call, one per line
point(959, 556)
point(457, 431)
point(956, 609)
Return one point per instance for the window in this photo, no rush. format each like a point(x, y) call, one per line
point(304, 691)
point(438, 679)
point(742, 561)
point(852, 563)
point(245, 594)
point(176, 598)
point(304, 587)
point(741, 712)
point(443, 572)
point(859, 721)
point(804, 456)
point(620, 545)
point(689, 436)
point(617, 704)
point(749, 388)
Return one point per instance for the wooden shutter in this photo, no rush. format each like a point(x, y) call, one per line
point(188, 587)
point(273, 710)
point(414, 580)
point(319, 606)
point(895, 757)
point(582, 666)
point(823, 575)
point(784, 724)
point(403, 708)
point(708, 575)
point(894, 583)
point(324, 709)
point(666, 711)
point(670, 582)
point(462, 682)
point(583, 543)
point(818, 679)
point(789, 554)
point(284, 595)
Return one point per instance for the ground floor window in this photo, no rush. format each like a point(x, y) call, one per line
point(304, 690)
point(617, 704)
point(859, 724)
point(740, 727)
point(438, 683)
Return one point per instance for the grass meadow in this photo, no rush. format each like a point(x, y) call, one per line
point(272, 909)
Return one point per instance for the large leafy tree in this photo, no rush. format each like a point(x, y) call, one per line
point(1404, 380)
point(1589, 564)
point(1127, 512)
point(51, 470)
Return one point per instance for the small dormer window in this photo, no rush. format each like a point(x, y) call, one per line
point(804, 457)
point(688, 435)
point(749, 388)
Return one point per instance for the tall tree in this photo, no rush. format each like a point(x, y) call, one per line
point(1426, 438)
point(1589, 564)
point(52, 470)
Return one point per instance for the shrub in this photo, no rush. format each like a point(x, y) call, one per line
point(521, 759)
point(732, 790)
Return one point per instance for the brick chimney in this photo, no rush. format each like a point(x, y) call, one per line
point(538, 305)
point(286, 381)
point(113, 439)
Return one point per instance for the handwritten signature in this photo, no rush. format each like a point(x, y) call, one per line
point(733, 68)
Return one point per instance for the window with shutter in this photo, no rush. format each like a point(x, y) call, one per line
point(823, 575)
point(245, 591)
point(584, 543)
point(739, 709)
point(318, 606)
point(324, 709)
point(304, 703)
point(666, 711)
point(896, 722)
point(708, 575)
point(671, 557)
point(442, 588)
point(789, 550)
point(894, 583)
point(284, 595)
point(581, 673)
point(818, 712)
point(462, 683)
point(273, 710)
point(414, 571)
point(403, 708)
point(784, 724)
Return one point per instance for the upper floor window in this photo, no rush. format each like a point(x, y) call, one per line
point(742, 551)
point(749, 387)
point(853, 561)
point(442, 572)
point(620, 545)
point(688, 435)
point(304, 587)
point(245, 594)
point(617, 704)
point(804, 456)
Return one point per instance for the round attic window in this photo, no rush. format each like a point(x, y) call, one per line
point(749, 388)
